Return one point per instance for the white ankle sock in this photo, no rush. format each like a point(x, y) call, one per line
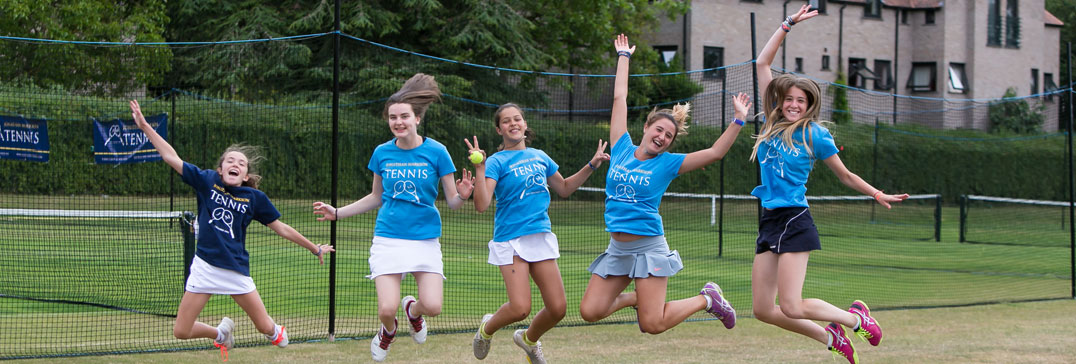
point(709, 301)
point(276, 333)
point(829, 342)
point(220, 335)
point(859, 321)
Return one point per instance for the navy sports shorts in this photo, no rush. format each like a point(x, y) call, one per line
point(787, 229)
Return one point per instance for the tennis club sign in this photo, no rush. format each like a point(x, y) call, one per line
point(23, 139)
point(120, 141)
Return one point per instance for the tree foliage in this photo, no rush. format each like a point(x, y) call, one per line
point(1015, 115)
point(94, 69)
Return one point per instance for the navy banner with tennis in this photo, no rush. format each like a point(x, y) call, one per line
point(120, 141)
point(24, 139)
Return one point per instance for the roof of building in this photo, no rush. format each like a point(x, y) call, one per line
point(1052, 20)
point(913, 4)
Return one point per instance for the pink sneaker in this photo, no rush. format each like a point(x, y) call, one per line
point(841, 345)
point(869, 329)
point(719, 307)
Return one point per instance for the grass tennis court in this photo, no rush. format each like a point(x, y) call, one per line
point(890, 262)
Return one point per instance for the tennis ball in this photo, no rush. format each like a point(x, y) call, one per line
point(476, 157)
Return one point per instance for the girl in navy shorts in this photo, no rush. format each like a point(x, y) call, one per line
point(638, 177)
point(790, 141)
point(523, 244)
point(228, 200)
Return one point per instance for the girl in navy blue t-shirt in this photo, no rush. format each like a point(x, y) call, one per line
point(791, 140)
point(638, 177)
point(228, 200)
point(406, 172)
point(523, 244)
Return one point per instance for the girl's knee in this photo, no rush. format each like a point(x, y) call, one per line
point(387, 311)
point(557, 310)
point(793, 311)
point(652, 327)
point(589, 314)
point(181, 334)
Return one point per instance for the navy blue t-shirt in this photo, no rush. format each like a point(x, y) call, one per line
point(224, 212)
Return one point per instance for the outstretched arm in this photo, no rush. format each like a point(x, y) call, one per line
point(765, 58)
point(856, 183)
point(457, 193)
point(698, 159)
point(367, 203)
point(618, 122)
point(168, 154)
point(288, 232)
point(565, 186)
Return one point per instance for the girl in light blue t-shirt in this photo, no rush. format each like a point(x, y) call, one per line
point(786, 149)
point(523, 244)
point(638, 177)
point(406, 172)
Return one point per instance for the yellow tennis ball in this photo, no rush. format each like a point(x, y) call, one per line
point(476, 157)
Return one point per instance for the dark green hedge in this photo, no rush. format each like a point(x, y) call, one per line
point(296, 141)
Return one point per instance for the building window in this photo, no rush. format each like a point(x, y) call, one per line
point(1012, 24)
point(1034, 81)
point(819, 5)
point(825, 62)
point(666, 53)
point(1050, 86)
point(799, 65)
point(904, 16)
point(923, 77)
point(883, 74)
point(993, 23)
point(929, 16)
point(873, 9)
point(958, 80)
point(713, 58)
point(855, 72)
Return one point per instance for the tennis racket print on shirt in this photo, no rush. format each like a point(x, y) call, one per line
point(625, 193)
point(225, 217)
point(536, 179)
point(405, 186)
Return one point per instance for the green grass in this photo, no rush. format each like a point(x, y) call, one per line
point(885, 257)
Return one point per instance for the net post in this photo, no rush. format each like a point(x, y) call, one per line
point(937, 217)
point(963, 216)
point(186, 225)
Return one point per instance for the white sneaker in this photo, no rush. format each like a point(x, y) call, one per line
point(379, 345)
point(481, 344)
point(534, 353)
point(226, 327)
point(282, 339)
point(417, 325)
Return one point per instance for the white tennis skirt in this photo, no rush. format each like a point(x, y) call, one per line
point(206, 278)
point(399, 256)
point(532, 248)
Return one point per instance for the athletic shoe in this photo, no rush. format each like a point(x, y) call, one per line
point(226, 327)
point(840, 343)
point(481, 344)
point(379, 345)
point(719, 307)
point(534, 353)
point(869, 330)
point(282, 339)
point(418, 325)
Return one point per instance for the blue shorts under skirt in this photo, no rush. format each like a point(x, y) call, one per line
point(649, 256)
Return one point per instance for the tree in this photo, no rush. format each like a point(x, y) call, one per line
point(527, 35)
point(1013, 114)
point(842, 113)
point(94, 69)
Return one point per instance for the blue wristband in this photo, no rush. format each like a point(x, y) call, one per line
point(624, 53)
point(738, 121)
point(592, 167)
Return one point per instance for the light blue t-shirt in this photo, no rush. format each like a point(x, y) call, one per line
point(522, 192)
point(785, 169)
point(410, 180)
point(224, 212)
point(633, 189)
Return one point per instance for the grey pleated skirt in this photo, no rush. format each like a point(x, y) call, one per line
point(642, 258)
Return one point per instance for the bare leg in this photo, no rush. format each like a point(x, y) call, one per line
point(604, 296)
point(518, 285)
point(430, 293)
point(791, 270)
point(656, 315)
point(546, 275)
point(186, 326)
point(388, 299)
point(252, 304)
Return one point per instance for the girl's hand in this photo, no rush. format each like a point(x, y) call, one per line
point(465, 185)
point(136, 112)
point(621, 44)
point(326, 211)
point(473, 147)
point(804, 14)
point(885, 199)
point(322, 250)
point(742, 105)
point(600, 155)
